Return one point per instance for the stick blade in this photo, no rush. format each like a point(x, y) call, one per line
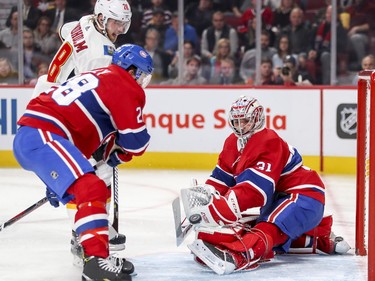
point(177, 219)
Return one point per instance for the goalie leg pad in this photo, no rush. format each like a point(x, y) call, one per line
point(260, 240)
point(217, 235)
point(221, 260)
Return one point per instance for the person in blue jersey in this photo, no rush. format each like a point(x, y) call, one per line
point(63, 126)
point(257, 169)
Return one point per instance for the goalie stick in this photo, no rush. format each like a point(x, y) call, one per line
point(182, 228)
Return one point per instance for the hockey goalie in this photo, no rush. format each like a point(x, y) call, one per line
point(257, 169)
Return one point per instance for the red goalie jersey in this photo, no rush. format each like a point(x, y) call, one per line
point(267, 165)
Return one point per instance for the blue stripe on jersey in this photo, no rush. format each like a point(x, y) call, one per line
point(90, 225)
point(134, 141)
point(102, 119)
point(295, 161)
point(221, 175)
point(259, 181)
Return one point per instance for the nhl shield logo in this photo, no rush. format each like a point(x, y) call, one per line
point(347, 121)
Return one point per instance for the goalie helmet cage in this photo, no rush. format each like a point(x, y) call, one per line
point(365, 207)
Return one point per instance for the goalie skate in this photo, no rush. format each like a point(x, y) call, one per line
point(341, 246)
point(96, 268)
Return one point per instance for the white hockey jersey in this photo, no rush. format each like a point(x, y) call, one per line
point(83, 49)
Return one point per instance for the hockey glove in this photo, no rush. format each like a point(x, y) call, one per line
point(118, 157)
point(52, 198)
point(113, 154)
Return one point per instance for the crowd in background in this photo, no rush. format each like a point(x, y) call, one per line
point(219, 45)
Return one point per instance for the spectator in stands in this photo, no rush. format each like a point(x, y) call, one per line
point(199, 15)
point(45, 40)
point(282, 14)
point(249, 14)
point(283, 50)
point(300, 35)
point(156, 5)
point(266, 73)
point(42, 69)
point(188, 53)
point(238, 7)
point(247, 67)
point(221, 51)
point(32, 56)
point(227, 74)
point(247, 38)
point(368, 62)
point(9, 35)
point(61, 14)
point(191, 75)
point(152, 38)
point(246, 29)
point(361, 21)
point(291, 74)
point(30, 14)
point(171, 38)
point(8, 75)
point(218, 29)
point(307, 68)
point(157, 22)
point(322, 46)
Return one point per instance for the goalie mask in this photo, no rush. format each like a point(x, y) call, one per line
point(129, 55)
point(246, 116)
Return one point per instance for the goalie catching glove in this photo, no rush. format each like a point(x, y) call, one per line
point(204, 205)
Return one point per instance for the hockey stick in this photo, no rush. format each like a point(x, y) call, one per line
point(182, 228)
point(98, 156)
point(24, 213)
point(115, 199)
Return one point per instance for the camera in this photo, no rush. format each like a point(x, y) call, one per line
point(285, 70)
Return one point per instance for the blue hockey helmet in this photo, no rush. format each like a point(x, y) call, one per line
point(129, 55)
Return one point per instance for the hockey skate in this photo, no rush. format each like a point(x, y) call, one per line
point(78, 255)
point(96, 268)
point(220, 259)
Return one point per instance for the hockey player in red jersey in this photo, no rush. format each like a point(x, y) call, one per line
point(62, 127)
point(257, 168)
point(88, 44)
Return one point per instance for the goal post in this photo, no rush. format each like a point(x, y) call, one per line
point(365, 201)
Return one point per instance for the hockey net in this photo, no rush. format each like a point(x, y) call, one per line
point(365, 208)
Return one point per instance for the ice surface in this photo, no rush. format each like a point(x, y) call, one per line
point(37, 247)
